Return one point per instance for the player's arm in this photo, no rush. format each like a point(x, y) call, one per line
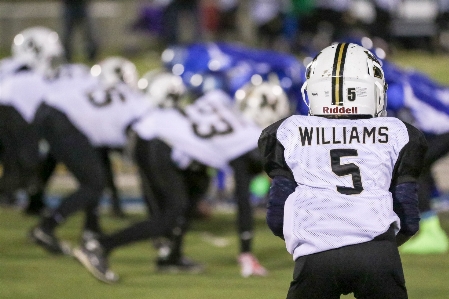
point(405, 205)
point(283, 182)
point(405, 187)
point(281, 187)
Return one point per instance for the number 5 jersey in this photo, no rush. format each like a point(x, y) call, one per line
point(344, 169)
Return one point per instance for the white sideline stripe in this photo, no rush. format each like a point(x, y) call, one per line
point(30, 10)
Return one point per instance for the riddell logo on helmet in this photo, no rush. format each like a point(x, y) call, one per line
point(340, 110)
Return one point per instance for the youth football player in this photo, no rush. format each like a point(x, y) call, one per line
point(344, 181)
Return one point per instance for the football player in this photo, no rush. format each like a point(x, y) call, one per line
point(209, 132)
point(95, 114)
point(36, 51)
point(344, 181)
point(171, 182)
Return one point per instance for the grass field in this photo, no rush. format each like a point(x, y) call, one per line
point(26, 271)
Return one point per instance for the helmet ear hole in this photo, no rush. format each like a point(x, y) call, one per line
point(377, 72)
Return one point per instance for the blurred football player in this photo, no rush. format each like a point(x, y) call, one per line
point(209, 132)
point(344, 181)
point(171, 186)
point(36, 52)
point(95, 114)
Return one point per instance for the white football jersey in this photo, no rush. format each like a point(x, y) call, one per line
point(102, 114)
point(210, 130)
point(8, 66)
point(344, 169)
point(22, 89)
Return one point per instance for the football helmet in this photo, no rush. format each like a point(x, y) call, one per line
point(263, 103)
point(164, 89)
point(38, 47)
point(345, 79)
point(114, 70)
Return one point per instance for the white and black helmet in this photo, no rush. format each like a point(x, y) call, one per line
point(263, 103)
point(114, 70)
point(345, 79)
point(38, 47)
point(163, 88)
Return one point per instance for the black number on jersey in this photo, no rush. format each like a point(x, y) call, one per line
point(101, 98)
point(346, 169)
point(207, 121)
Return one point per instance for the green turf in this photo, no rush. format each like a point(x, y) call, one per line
point(27, 271)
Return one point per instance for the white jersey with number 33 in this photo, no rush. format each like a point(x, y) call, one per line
point(209, 130)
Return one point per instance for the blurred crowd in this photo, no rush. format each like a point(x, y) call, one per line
point(299, 26)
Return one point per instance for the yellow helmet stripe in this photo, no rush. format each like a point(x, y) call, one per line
point(337, 74)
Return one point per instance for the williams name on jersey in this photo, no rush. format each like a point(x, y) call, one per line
point(342, 135)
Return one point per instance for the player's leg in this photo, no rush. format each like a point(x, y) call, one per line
point(171, 257)
point(116, 206)
point(74, 150)
point(314, 277)
point(20, 154)
point(243, 168)
point(373, 270)
point(36, 197)
point(431, 237)
point(154, 159)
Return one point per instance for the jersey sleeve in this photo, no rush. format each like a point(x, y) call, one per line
point(272, 152)
point(410, 162)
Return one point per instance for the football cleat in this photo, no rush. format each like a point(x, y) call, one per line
point(180, 265)
point(49, 242)
point(91, 256)
point(250, 266)
point(431, 239)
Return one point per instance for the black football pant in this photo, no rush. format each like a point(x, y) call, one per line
point(72, 148)
point(371, 270)
point(172, 189)
point(245, 168)
point(19, 152)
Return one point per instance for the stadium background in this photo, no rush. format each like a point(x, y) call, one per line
point(28, 272)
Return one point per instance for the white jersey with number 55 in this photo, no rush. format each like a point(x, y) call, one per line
point(102, 114)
